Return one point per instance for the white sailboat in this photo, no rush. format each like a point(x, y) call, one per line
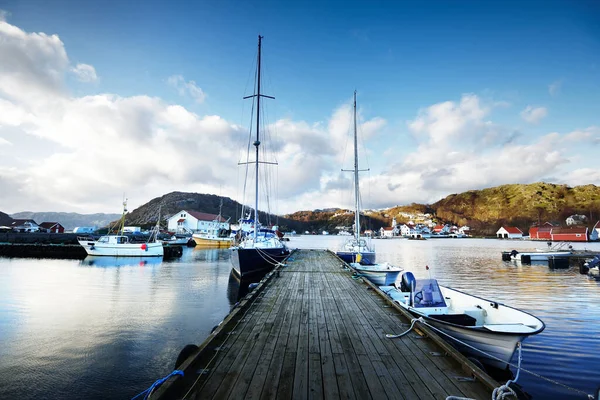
point(357, 246)
point(119, 245)
point(259, 251)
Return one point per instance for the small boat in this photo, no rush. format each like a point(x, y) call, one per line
point(257, 252)
point(216, 235)
point(384, 274)
point(119, 245)
point(493, 328)
point(356, 245)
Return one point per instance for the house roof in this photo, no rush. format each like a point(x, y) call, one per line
point(18, 222)
point(48, 225)
point(570, 230)
point(512, 229)
point(205, 216)
point(387, 228)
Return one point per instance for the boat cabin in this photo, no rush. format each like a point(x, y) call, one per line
point(114, 239)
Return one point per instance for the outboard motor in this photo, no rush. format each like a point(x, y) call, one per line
point(408, 284)
point(514, 253)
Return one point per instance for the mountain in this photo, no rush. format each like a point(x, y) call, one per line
point(332, 219)
point(171, 203)
point(68, 220)
point(518, 205)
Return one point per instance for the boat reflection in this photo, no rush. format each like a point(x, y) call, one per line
point(107, 262)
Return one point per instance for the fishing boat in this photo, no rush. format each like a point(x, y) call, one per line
point(260, 250)
point(490, 329)
point(217, 235)
point(356, 245)
point(120, 245)
point(383, 274)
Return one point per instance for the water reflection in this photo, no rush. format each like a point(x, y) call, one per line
point(106, 262)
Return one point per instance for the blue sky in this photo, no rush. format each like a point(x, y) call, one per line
point(403, 58)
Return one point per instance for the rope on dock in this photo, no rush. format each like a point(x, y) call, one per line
point(412, 325)
point(156, 384)
point(519, 368)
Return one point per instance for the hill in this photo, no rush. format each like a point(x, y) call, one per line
point(68, 220)
point(518, 205)
point(330, 219)
point(171, 203)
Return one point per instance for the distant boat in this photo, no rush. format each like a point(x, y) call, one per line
point(484, 324)
point(216, 235)
point(119, 245)
point(258, 251)
point(356, 245)
point(383, 274)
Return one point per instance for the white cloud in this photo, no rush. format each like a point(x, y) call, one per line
point(4, 142)
point(187, 88)
point(84, 73)
point(554, 88)
point(534, 115)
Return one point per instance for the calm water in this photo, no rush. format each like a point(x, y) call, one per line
point(107, 328)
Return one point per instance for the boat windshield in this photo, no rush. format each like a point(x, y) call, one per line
point(428, 294)
point(103, 239)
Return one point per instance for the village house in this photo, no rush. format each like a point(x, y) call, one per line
point(387, 232)
point(194, 221)
point(571, 234)
point(543, 232)
point(52, 227)
point(24, 225)
point(509, 232)
point(404, 230)
point(576, 219)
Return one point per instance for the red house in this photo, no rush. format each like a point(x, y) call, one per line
point(438, 228)
point(543, 232)
point(572, 234)
point(52, 227)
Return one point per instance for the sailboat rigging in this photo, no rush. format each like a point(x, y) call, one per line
point(262, 250)
point(357, 249)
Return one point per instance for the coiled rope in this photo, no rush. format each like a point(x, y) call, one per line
point(156, 384)
point(518, 367)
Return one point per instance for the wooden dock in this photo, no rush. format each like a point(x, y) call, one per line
point(310, 330)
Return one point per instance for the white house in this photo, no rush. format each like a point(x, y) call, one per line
point(576, 219)
point(509, 232)
point(24, 225)
point(387, 232)
point(194, 221)
point(464, 230)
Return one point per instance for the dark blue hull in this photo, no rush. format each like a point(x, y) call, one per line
point(368, 257)
point(247, 262)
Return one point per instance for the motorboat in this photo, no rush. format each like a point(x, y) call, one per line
point(383, 274)
point(120, 245)
point(260, 250)
point(357, 245)
point(218, 234)
point(481, 328)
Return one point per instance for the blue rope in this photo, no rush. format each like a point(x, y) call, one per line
point(157, 384)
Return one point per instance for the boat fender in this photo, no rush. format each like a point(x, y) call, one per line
point(185, 353)
point(144, 247)
point(252, 286)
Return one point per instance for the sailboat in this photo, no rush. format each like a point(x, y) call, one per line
point(119, 245)
point(260, 250)
point(357, 249)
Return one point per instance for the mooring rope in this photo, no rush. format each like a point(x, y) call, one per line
point(156, 384)
point(518, 367)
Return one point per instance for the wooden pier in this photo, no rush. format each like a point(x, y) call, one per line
point(309, 330)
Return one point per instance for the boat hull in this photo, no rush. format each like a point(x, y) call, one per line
point(368, 257)
point(539, 256)
point(380, 275)
point(247, 262)
point(123, 250)
point(212, 243)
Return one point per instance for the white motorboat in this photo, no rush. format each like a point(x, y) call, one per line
point(492, 328)
point(357, 246)
point(119, 245)
point(384, 274)
point(537, 255)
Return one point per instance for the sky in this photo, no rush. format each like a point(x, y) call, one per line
point(112, 99)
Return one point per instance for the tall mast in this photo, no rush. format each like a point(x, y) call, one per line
point(257, 142)
point(356, 195)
